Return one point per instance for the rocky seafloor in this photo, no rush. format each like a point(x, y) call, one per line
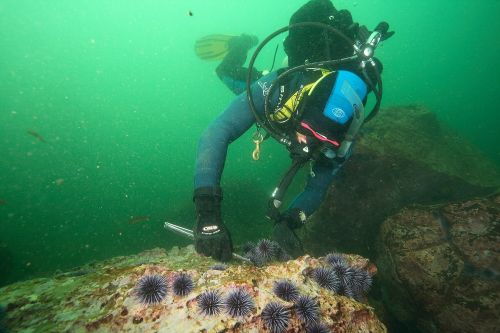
point(440, 266)
point(103, 297)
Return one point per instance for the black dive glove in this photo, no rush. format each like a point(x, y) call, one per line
point(382, 27)
point(211, 237)
point(213, 240)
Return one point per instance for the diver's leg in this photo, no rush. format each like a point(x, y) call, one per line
point(308, 201)
point(319, 181)
point(231, 71)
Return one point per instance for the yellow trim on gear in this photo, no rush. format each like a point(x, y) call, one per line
point(293, 102)
point(212, 47)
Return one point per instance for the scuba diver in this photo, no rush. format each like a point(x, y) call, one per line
point(233, 52)
point(314, 107)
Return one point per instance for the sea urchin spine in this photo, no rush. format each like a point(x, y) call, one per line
point(210, 302)
point(345, 274)
point(285, 290)
point(317, 328)
point(151, 289)
point(265, 249)
point(247, 247)
point(326, 278)
point(307, 309)
point(182, 284)
point(335, 258)
point(276, 317)
point(361, 283)
point(239, 303)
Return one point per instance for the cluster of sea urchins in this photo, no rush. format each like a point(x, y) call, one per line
point(276, 316)
point(237, 303)
point(264, 251)
point(341, 278)
point(153, 288)
point(337, 275)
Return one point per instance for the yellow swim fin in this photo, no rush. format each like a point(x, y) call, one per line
point(212, 47)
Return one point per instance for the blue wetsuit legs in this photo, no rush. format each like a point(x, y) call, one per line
point(323, 174)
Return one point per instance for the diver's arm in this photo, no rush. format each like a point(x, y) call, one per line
point(227, 127)
point(212, 146)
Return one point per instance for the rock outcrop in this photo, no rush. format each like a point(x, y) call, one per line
point(440, 266)
point(101, 297)
point(404, 156)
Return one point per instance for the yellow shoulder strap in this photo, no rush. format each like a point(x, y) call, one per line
point(292, 103)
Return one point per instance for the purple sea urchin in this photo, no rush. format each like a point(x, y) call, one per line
point(210, 302)
point(255, 258)
point(317, 328)
point(345, 274)
point(239, 303)
point(265, 249)
point(307, 309)
point(247, 247)
point(276, 317)
point(182, 284)
point(151, 289)
point(326, 278)
point(335, 258)
point(361, 282)
point(285, 290)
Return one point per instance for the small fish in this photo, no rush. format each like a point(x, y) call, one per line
point(36, 135)
point(138, 219)
point(190, 13)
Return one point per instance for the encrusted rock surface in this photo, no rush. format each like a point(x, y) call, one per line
point(440, 266)
point(100, 297)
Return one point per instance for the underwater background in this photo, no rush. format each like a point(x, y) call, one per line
point(102, 103)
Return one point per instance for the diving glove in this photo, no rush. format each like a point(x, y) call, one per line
point(383, 28)
point(211, 237)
